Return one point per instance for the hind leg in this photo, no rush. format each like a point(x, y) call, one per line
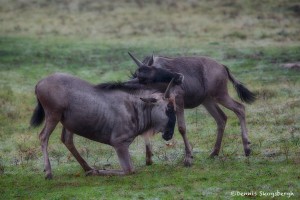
point(67, 139)
point(220, 119)
point(239, 110)
point(44, 139)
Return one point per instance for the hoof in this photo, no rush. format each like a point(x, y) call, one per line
point(92, 172)
point(88, 169)
point(149, 162)
point(213, 154)
point(247, 152)
point(48, 176)
point(188, 162)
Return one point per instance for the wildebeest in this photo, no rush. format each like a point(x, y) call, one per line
point(111, 113)
point(205, 82)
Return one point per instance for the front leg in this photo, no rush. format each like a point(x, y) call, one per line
point(148, 145)
point(124, 158)
point(125, 162)
point(188, 159)
point(149, 153)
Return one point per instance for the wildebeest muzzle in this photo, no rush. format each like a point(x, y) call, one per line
point(169, 130)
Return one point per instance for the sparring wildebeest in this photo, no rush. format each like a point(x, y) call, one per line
point(205, 82)
point(111, 113)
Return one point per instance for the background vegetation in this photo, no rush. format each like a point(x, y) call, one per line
point(90, 39)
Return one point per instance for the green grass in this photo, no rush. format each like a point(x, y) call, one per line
point(91, 40)
point(206, 179)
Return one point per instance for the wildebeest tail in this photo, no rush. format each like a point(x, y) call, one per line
point(244, 94)
point(38, 115)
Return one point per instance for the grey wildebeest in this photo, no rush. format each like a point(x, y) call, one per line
point(205, 82)
point(110, 113)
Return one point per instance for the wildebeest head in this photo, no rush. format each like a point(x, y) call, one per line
point(147, 73)
point(163, 121)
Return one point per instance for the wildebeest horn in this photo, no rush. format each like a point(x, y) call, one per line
point(167, 92)
point(138, 63)
point(152, 58)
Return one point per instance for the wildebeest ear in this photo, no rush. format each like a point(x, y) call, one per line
point(148, 61)
point(151, 60)
point(149, 100)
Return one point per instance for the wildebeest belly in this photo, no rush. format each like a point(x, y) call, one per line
point(194, 93)
point(92, 125)
point(192, 101)
point(89, 132)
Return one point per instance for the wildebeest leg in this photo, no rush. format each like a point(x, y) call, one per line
point(148, 151)
point(124, 159)
point(220, 119)
point(44, 139)
point(125, 162)
point(67, 139)
point(182, 130)
point(239, 110)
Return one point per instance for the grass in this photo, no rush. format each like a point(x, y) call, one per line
point(210, 179)
point(91, 40)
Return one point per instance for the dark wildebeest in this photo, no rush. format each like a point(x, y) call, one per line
point(113, 114)
point(205, 82)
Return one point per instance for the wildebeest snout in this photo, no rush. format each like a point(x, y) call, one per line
point(167, 135)
point(169, 131)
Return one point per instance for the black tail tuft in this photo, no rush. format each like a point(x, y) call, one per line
point(37, 116)
point(245, 94)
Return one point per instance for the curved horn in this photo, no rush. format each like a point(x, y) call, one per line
point(167, 92)
point(152, 58)
point(137, 62)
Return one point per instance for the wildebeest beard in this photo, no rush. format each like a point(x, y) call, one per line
point(169, 131)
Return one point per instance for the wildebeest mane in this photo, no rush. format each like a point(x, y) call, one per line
point(149, 61)
point(131, 88)
point(119, 86)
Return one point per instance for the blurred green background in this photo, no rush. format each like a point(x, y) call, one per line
point(90, 39)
